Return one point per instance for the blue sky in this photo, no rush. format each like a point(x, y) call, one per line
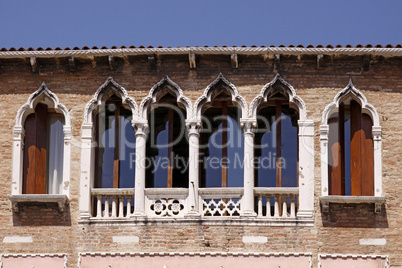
point(69, 23)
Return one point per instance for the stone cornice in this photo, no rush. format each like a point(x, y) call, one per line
point(265, 51)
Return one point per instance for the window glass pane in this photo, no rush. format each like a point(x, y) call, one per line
point(289, 147)
point(213, 148)
point(235, 153)
point(162, 158)
point(213, 167)
point(106, 151)
point(127, 151)
point(55, 154)
point(265, 148)
point(266, 151)
point(164, 121)
point(180, 149)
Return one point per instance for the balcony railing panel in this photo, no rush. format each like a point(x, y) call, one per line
point(165, 202)
point(276, 202)
point(112, 203)
point(220, 202)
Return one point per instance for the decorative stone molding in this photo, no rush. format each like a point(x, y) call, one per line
point(350, 91)
point(60, 199)
point(207, 97)
point(110, 85)
point(263, 51)
point(293, 98)
point(42, 255)
point(191, 59)
point(42, 94)
point(340, 199)
point(234, 61)
point(321, 257)
point(249, 255)
point(34, 64)
point(152, 97)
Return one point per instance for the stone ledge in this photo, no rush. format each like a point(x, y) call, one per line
point(227, 221)
point(340, 199)
point(60, 199)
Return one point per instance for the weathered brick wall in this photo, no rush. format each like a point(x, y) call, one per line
point(336, 232)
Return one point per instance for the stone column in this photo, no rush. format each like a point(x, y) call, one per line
point(87, 176)
point(141, 132)
point(247, 209)
point(193, 165)
point(324, 131)
point(306, 168)
point(377, 160)
point(18, 156)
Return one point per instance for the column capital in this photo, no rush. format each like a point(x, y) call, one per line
point(193, 127)
point(140, 127)
point(248, 125)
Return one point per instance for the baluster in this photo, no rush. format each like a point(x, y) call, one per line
point(292, 206)
point(128, 214)
point(285, 206)
point(259, 205)
point(99, 206)
point(114, 207)
point(268, 206)
point(121, 206)
point(276, 212)
point(106, 213)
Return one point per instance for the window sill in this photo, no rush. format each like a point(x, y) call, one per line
point(340, 199)
point(60, 199)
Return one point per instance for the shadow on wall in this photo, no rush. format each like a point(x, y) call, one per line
point(354, 216)
point(41, 214)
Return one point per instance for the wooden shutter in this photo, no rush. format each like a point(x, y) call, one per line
point(362, 152)
point(367, 156)
point(35, 152)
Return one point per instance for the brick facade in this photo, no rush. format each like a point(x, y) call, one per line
point(337, 232)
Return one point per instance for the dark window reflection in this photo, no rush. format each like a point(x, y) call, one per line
point(115, 155)
point(221, 148)
point(276, 147)
point(167, 147)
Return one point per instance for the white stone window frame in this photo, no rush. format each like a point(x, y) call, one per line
point(306, 143)
point(195, 124)
point(41, 94)
point(350, 91)
point(141, 126)
point(88, 143)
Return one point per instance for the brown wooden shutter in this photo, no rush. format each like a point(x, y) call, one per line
point(367, 156)
point(35, 152)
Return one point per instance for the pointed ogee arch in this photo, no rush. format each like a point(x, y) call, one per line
point(293, 97)
point(109, 85)
point(207, 96)
point(351, 91)
point(156, 89)
point(42, 93)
